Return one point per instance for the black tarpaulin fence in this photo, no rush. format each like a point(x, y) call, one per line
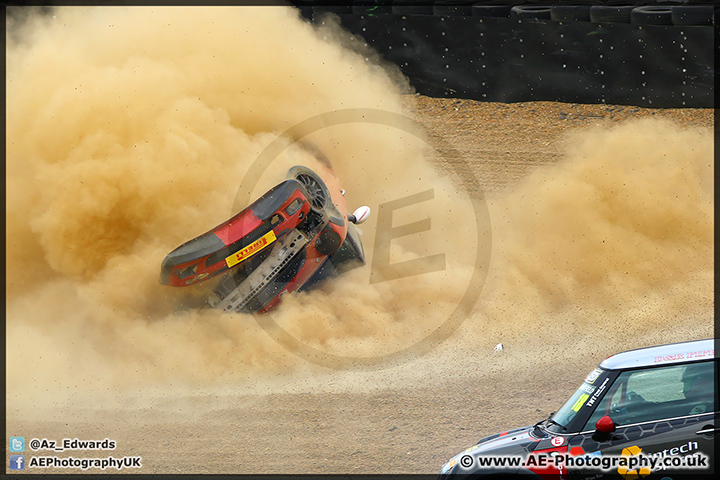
point(514, 58)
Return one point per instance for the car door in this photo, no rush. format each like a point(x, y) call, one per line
point(666, 413)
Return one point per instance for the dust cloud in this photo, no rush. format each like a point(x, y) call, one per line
point(130, 131)
point(609, 248)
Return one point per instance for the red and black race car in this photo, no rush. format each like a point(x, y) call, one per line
point(288, 240)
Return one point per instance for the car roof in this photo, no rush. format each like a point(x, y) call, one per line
point(683, 352)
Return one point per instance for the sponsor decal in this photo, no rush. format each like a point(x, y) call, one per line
point(251, 249)
point(597, 393)
point(592, 376)
point(587, 388)
point(557, 441)
point(685, 356)
point(677, 450)
point(635, 473)
point(580, 402)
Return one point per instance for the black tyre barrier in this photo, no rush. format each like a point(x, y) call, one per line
point(534, 12)
point(651, 15)
point(493, 10)
point(693, 15)
point(371, 7)
point(305, 7)
point(412, 7)
point(452, 8)
point(319, 8)
point(443, 57)
point(570, 13)
point(611, 13)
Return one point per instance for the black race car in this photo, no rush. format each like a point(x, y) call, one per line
point(645, 413)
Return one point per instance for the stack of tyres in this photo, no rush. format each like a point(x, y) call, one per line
point(570, 13)
point(412, 7)
point(498, 9)
point(636, 13)
point(532, 12)
point(683, 15)
point(680, 15)
point(456, 8)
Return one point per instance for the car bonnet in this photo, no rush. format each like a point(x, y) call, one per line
point(512, 439)
point(512, 442)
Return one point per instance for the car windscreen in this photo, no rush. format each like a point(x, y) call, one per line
point(651, 394)
point(571, 415)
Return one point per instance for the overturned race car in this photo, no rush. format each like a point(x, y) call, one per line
point(288, 240)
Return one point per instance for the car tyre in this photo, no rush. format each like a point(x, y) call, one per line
point(412, 7)
point(610, 13)
point(651, 15)
point(498, 10)
point(570, 13)
point(454, 8)
point(317, 191)
point(693, 15)
point(532, 12)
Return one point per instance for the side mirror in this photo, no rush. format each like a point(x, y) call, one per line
point(359, 215)
point(605, 425)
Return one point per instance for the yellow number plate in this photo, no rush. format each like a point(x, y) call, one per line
point(251, 249)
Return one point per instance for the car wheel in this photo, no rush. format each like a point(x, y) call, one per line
point(317, 193)
point(328, 241)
